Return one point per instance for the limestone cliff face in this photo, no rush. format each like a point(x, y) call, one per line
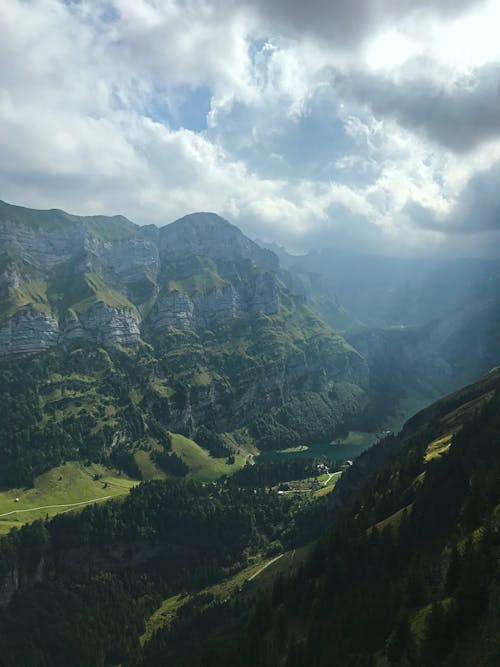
point(224, 304)
point(127, 259)
point(47, 239)
point(103, 325)
point(28, 331)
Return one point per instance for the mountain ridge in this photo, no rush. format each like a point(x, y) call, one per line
point(127, 257)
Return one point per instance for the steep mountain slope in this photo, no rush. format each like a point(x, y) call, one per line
point(142, 331)
point(408, 573)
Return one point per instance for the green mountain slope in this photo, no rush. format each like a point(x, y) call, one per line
point(408, 572)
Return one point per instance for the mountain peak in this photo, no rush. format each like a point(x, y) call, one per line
point(204, 220)
point(205, 233)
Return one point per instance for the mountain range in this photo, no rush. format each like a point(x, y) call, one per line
point(194, 324)
point(139, 329)
point(144, 371)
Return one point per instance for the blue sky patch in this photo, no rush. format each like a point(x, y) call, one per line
point(182, 108)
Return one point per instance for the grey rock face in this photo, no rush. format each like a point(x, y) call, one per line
point(129, 259)
point(261, 390)
point(221, 305)
point(10, 278)
point(103, 325)
point(173, 309)
point(28, 331)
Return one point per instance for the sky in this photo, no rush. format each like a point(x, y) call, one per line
point(360, 124)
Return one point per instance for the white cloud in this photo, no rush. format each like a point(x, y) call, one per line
point(301, 145)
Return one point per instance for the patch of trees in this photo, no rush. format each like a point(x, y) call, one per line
point(212, 441)
point(107, 567)
point(274, 472)
point(270, 434)
point(170, 463)
point(48, 416)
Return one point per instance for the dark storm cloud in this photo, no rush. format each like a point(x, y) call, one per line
point(458, 116)
point(347, 23)
point(477, 209)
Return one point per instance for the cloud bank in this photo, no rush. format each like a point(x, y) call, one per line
point(370, 125)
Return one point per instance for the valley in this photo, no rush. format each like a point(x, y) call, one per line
point(203, 447)
point(249, 333)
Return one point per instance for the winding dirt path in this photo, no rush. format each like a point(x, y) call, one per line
point(47, 507)
point(265, 566)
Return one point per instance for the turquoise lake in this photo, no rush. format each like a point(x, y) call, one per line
point(338, 452)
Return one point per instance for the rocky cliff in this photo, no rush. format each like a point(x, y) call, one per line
point(55, 249)
point(223, 304)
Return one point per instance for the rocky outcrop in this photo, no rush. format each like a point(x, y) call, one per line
point(173, 309)
point(47, 239)
point(224, 304)
point(10, 278)
point(103, 325)
point(28, 331)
